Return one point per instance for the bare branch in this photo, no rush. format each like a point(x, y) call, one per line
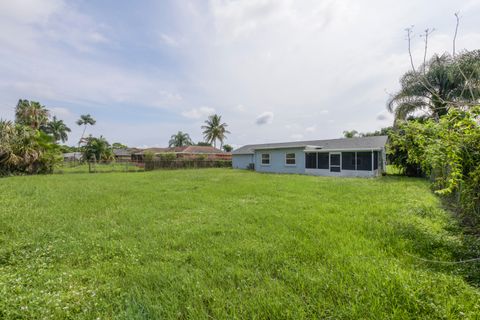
point(457, 17)
point(427, 33)
point(409, 39)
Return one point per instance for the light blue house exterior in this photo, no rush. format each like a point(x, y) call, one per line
point(361, 157)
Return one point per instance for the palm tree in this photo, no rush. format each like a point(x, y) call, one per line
point(57, 129)
point(85, 119)
point(19, 147)
point(180, 139)
point(97, 149)
point(215, 130)
point(31, 114)
point(440, 83)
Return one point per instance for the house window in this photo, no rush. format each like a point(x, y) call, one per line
point(323, 162)
point(290, 159)
point(311, 160)
point(375, 160)
point(348, 160)
point(265, 158)
point(364, 161)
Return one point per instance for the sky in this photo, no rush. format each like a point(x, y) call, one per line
point(275, 70)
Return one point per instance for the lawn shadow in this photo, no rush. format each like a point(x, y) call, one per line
point(446, 251)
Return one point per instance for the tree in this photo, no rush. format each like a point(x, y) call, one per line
point(227, 148)
point(57, 129)
point(85, 119)
point(26, 150)
point(382, 132)
point(180, 139)
point(441, 83)
point(215, 130)
point(31, 114)
point(350, 134)
point(118, 145)
point(97, 149)
point(204, 144)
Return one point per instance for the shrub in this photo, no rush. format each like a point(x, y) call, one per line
point(168, 156)
point(448, 151)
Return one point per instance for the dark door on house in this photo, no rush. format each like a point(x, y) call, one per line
point(335, 162)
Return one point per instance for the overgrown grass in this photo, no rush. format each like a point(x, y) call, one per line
point(67, 167)
point(220, 243)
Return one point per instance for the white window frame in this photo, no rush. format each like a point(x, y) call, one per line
point(261, 159)
point(294, 159)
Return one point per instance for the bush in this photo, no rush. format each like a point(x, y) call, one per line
point(448, 151)
point(168, 156)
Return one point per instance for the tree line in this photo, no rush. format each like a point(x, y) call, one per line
point(31, 143)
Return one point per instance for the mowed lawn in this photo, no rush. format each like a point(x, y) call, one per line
point(226, 244)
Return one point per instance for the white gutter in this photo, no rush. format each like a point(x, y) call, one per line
point(347, 149)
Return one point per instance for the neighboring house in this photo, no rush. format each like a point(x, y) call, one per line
point(139, 155)
point(72, 156)
point(187, 152)
point(362, 157)
point(124, 154)
point(193, 152)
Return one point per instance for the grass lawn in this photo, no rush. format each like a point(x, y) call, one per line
point(220, 243)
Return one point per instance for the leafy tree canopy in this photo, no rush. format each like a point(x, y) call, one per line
point(227, 148)
point(441, 83)
point(214, 130)
point(180, 139)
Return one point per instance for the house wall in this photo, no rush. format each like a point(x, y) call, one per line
point(241, 161)
point(343, 173)
point(277, 164)
point(277, 161)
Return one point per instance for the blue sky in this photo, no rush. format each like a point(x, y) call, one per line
point(275, 70)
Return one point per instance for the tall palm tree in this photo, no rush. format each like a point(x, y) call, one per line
point(441, 83)
point(31, 114)
point(180, 139)
point(85, 120)
point(57, 129)
point(214, 130)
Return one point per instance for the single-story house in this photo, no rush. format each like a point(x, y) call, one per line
point(124, 154)
point(192, 152)
point(361, 157)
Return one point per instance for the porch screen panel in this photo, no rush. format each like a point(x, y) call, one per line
point(364, 161)
point(348, 160)
point(323, 162)
point(311, 160)
point(375, 160)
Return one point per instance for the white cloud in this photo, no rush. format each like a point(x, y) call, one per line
point(197, 113)
point(60, 112)
point(169, 40)
point(264, 118)
point(241, 108)
point(311, 129)
point(29, 11)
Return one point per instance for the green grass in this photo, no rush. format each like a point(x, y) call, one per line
point(70, 167)
point(219, 243)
